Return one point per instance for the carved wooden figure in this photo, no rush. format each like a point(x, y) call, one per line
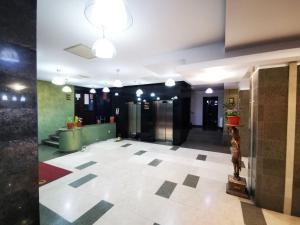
point(235, 151)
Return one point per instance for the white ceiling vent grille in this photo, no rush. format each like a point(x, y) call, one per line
point(81, 50)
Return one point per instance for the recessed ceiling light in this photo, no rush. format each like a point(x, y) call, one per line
point(158, 98)
point(116, 94)
point(22, 99)
point(152, 94)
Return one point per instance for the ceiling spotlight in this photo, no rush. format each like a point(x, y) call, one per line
point(139, 99)
point(58, 81)
point(209, 91)
point(67, 89)
point(116, 94)
point(105, 90)
point(139, 92)
point(104, 48)
point(118, 83)
point(170, 82)
point(158, 98)
point(152, 94)
point(110, 15)
point(17, 86)
point(92, 91)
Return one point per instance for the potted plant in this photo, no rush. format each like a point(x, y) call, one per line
point(232, 117)
point(70, 122)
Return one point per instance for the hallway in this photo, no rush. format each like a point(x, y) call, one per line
point(208, 140)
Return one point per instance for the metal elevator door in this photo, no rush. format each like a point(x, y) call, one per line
point(164, 120)
point(134, 119)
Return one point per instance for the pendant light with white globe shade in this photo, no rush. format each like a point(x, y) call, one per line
point(67, 89)
point(118, 83)
point(209, 91)
point(104, 48)
point(92, 91)
point(170, 82)
point(106, 90)
point(139, 92)
point(58, 81)
point(111, 15)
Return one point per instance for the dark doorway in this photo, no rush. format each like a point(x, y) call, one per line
point(210, 113)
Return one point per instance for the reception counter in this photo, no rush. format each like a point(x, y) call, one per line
point(71, 140)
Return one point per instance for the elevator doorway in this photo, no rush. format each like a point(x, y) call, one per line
point(164, 121)
point(210, 113)
point(134, 119)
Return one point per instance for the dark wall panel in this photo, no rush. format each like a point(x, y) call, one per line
point(296, 184)
point(270, 137)
point(18, 113)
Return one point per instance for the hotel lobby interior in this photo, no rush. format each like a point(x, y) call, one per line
point(161, 112)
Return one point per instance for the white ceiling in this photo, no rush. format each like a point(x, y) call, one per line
point(259, 21)
point(179, 39)
point(159, 27)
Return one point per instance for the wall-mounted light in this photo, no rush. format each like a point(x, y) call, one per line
point(175, 97)
point(209, 91)
point(139, 99)
point(158, 98)
point(105, 90)
point(152, 94)
point(116, 94)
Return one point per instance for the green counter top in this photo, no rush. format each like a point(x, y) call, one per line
point(73, 139)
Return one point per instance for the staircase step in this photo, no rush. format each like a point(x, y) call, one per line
point(51, 143)
point(54, 137)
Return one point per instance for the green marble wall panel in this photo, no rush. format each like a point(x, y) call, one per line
point(53, 108)
point(94, 133)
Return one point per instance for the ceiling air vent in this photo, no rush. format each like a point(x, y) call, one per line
point(80, 76)
point(81, 50)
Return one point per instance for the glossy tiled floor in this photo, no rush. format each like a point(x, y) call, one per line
point(136, 183)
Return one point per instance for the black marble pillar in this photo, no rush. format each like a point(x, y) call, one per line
point(18, 113)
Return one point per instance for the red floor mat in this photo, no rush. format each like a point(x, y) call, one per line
point(48, 173)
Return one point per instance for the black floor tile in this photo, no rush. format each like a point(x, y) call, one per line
point(201, 157)
point(85, 165)
point(140, 152)
point(155, 162)
point(82, 180)
point(166, 189)
point(191, 180)
point(252, 215)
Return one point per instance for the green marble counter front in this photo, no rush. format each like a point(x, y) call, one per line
point(73, 139)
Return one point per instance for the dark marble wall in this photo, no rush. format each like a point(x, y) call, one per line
point(18, 115)
point(296, 184)
point(269, 139)
point(244, 103)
